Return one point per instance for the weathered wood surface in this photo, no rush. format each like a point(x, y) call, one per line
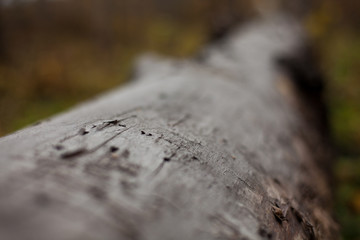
point(213, 148)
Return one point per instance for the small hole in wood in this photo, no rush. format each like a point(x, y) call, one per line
point(113, 149)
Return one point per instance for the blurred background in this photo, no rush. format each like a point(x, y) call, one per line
point(55, 53)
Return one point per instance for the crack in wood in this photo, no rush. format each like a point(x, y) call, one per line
point(84, 151)
point(72, 154)
point(109, 139)
point(181, 120)
point(165, 159)
point(242, 180)
point(107, 124)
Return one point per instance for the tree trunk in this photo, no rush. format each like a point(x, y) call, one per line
point(221, 147)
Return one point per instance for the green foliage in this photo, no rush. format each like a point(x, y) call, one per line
point(348, 196)
point(337, 38)
point(58, 56)
point(56, 50)
point(343, 66)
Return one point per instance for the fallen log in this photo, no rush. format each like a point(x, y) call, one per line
point(217, 147)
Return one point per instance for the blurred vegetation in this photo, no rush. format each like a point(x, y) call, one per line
point(334, 26)
point(54, 54)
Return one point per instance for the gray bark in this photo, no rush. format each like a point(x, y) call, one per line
point(217, 148)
